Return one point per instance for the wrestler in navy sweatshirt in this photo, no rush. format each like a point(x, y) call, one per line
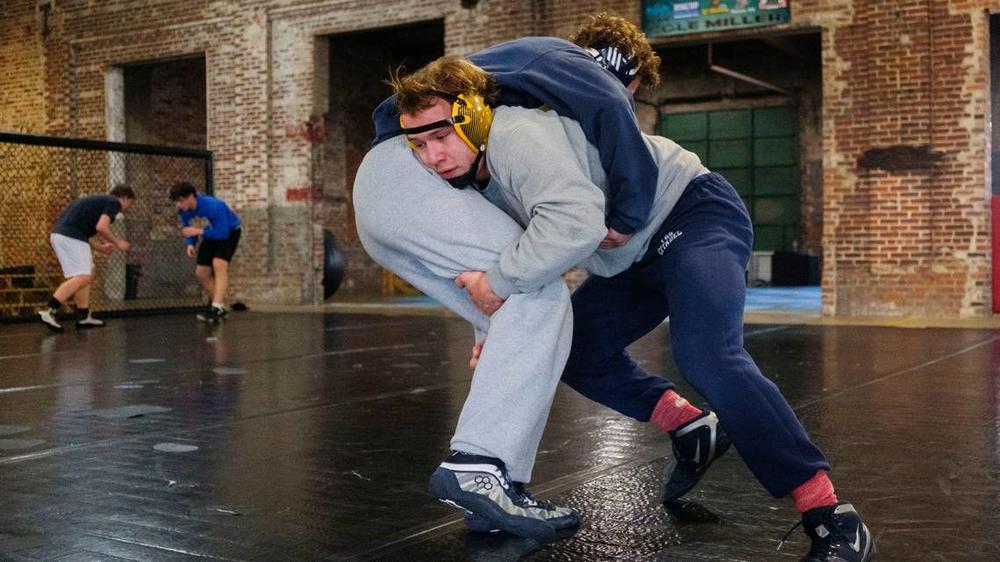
point(536, 71)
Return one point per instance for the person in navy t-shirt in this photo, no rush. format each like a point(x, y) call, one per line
point(84, 224)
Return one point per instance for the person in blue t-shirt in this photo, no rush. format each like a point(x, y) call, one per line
point(218, 243)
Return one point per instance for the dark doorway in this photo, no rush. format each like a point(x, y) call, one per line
point(359, 65)
point(165, 103)
point(751, 109)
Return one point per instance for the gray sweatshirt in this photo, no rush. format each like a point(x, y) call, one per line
point(546, 176)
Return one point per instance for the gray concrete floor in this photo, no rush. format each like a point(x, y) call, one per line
point(310, 437)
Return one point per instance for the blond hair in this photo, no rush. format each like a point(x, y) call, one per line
point(450, 75)
point(607, 30)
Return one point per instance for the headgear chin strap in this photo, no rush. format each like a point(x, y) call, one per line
point(471, 117)
point(469, 177)
point(623, 66)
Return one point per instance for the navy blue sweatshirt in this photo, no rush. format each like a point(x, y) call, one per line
point(536, 71)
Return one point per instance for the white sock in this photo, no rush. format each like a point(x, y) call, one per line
point(219, 305)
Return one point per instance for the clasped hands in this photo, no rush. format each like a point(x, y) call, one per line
point(478, 287)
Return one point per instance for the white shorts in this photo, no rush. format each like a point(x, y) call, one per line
point(74, 255)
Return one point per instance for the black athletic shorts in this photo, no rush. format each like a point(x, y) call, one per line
point(222, 249)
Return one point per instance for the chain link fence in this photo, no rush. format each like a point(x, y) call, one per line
point(39, 176)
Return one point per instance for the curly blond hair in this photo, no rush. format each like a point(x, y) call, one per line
point(450, 74)
point(604, 30)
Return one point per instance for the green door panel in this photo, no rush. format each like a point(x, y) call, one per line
point(729, 124)
point(757, 151)
point(685, 126)
point(766, 238)
point(698, 147)
point(741, 179)
point(728, 153)
point(782, 180)
point(776, 210)
point(775, 122)
point(780, 151)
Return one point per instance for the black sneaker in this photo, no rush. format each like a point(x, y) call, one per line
point(480, 485)
point(838, 535)
point(213, 315)
point(696, 445)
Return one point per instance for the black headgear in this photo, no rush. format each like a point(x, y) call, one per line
point(623, 66)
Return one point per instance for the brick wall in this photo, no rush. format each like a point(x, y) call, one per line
point(165, 103)
point(904, 105)
point(21, 62)
point(906, 227)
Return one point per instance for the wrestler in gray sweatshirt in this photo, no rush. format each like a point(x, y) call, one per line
point(412, 222)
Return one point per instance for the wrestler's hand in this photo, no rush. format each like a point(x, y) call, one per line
point(477, 350)
point(190, 231)
point(106, 248)
point(614, 239)
point(190, 251)
point(478, 286)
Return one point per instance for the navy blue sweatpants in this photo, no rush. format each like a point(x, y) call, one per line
point(694, 272)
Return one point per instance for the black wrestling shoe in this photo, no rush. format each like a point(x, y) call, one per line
point(213, 315)
point(837, 534)
point(696, 445)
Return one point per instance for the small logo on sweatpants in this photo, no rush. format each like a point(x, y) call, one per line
point(666, 240)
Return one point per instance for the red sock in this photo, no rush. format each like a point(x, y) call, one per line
point(673, 411)
point(816, 492)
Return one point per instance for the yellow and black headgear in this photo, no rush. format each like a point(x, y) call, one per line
point(471, 117)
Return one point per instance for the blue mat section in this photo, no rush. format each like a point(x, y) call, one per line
point(803, 299)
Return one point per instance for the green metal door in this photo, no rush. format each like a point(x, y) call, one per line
point(757, 151)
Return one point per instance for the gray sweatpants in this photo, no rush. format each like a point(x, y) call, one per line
point(412, 222)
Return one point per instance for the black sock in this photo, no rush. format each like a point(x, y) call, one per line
point(54, 303)
point(82, 313)
point(471, 458)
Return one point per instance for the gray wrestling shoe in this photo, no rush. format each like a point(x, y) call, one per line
point(480, 486)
